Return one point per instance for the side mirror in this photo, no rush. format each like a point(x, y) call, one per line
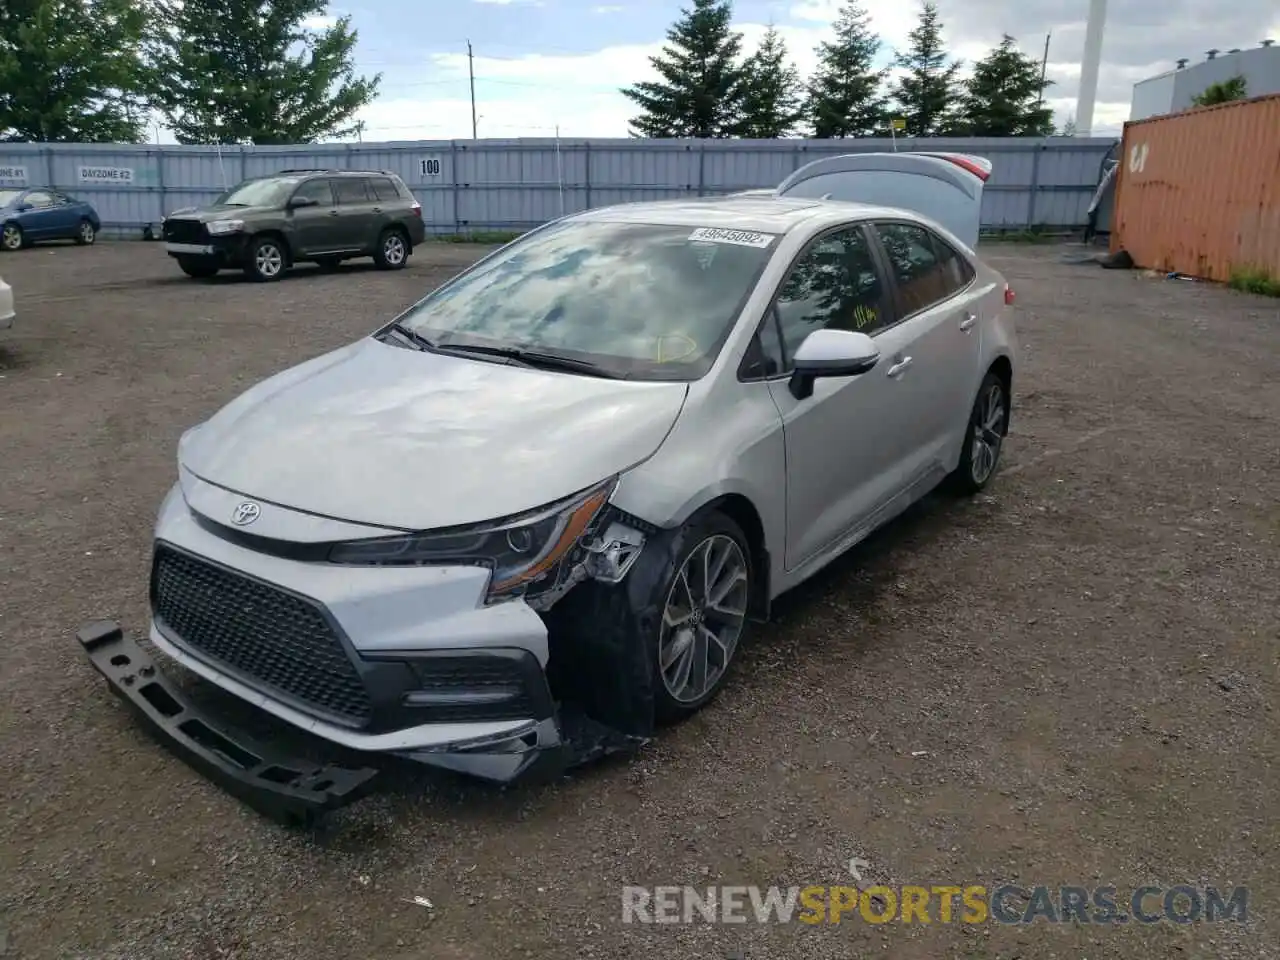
point(23, 207)
point(297, 202)
point(831, 353)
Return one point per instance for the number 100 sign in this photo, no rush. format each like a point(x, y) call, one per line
point(429, 166)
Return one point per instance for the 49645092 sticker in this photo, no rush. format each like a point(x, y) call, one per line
point(742, 238)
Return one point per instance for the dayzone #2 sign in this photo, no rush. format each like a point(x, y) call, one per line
point(120, 175)
point(13, 173)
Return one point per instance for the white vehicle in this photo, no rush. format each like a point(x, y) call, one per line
point(573, 473)
point(6, 305)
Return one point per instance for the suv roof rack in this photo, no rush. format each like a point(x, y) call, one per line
point(385, 173)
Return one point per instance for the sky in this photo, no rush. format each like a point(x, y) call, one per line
point(543, 65)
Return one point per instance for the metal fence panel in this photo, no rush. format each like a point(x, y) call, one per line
point(478, 185)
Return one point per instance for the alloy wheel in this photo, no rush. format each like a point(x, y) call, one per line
point(703, 618)
point(86, 232)
point(11, 238)
point(988, 433)
point(268, 260)
point(393, 250)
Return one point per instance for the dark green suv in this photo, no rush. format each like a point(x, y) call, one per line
point(266, 224)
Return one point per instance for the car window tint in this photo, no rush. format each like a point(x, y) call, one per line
point(922, 278)
point(834, 285)
point(38, 198)
point(350, 190)
point(317, 190)
point(959, 270)
point(383, 189)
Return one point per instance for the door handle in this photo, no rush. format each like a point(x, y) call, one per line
point(969, 320)
point(899, 368)
point(377, 209)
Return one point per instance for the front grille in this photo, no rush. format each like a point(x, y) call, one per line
point(272, 639)
point(455, 679)
point(185, 231)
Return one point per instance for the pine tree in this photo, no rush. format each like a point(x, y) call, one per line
point(1068, 127)
point(70, 71)
point(771, 97)
point(248, 71)
point(925, 95)
point(845, 93)
point(702, 87)
point(1004, 96)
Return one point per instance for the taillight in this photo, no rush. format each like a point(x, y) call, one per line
point(417, 209)
point(1008, 295)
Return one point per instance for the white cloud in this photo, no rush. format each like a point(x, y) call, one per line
point(534, 94)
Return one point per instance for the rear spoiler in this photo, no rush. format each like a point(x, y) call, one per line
point(945, 187)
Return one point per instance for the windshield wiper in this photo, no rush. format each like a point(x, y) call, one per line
point(531, 358)
point(415, 338)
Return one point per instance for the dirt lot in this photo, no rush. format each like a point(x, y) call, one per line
point(1069, 681)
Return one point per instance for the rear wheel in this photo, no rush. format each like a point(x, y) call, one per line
point(85, 233)
point(11, 237)
point(266, 260)
point(198, 267)
point(392, 252)
point(984, 437)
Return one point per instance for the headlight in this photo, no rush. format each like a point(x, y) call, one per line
point(519, 550)
point(220, 227)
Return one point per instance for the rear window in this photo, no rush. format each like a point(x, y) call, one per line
point(384, 188)
point(8, 196)
point(923, 278)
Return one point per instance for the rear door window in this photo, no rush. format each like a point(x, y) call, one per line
point(922, 276)
point(350, 190)
point(38, 198)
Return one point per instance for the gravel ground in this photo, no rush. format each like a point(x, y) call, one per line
point(1070, 680)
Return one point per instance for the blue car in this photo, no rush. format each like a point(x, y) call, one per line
point(31, 214)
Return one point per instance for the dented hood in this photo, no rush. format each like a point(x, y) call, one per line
point(383, 435)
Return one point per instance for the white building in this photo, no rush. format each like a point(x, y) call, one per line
point(1172, 91)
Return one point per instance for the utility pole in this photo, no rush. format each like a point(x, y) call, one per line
point(471, 73)
point(1044, 65)
point(1089, 64)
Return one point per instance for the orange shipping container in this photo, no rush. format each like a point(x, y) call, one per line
point(1199, 192)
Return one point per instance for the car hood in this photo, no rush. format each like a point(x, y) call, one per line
point(382, 435)
point(205, 214)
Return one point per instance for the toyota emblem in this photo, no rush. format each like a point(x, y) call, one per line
point(245, 513)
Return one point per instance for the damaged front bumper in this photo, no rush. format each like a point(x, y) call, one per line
point(299, 792)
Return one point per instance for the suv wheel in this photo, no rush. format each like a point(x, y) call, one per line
point(198, 267)
point(266, 259)
point(393, 250)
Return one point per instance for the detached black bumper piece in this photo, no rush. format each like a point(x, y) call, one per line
point(292, 792)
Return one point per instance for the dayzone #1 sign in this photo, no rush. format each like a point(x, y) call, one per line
point(743, 238)
point(13, 173)
point(120, 175)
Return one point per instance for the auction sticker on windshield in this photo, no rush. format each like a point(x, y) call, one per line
point(743, 238)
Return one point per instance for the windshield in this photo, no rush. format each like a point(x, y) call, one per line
point(267, 192)
point(8, 196)
point(647, 301)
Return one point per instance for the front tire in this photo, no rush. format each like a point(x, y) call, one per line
point(616, 648)
point(11, 237)
point(983, 439)
point(266, 260)
point(392, 252)
point(86, 233)
point(198, 267)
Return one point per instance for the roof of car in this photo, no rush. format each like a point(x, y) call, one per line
point(766, 214)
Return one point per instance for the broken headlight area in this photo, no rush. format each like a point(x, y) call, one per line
point(537, 556)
